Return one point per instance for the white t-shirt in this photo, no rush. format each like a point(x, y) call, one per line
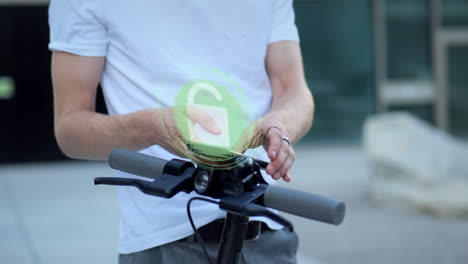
point(152, 48)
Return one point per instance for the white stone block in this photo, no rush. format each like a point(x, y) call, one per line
point(416, 165)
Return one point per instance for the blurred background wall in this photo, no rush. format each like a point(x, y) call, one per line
point(360, 56)
point(26, 132)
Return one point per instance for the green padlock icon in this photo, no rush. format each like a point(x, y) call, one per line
point(214, 99)
point(197, 134)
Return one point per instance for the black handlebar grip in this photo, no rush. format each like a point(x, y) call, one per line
point(304, 204)
point(136, 163)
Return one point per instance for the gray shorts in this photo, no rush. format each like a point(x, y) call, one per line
point(273, 246)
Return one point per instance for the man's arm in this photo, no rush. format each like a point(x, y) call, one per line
point(80, 131)
point(84, 134)
point(292, 106)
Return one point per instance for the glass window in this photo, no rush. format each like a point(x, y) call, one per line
point(408, 39)
point(336, 43)
point(455, 13)
point(458, 89)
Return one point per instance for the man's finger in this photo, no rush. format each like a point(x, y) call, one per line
point(284, 161)
point(204, 119)
point(275, 141)
point(287, 178)
point(286, 168)
point(283, 171)
point(276, 164)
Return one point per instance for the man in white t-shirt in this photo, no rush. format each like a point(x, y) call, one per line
point(142, 52)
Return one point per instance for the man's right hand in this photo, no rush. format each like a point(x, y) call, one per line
point(167, 132)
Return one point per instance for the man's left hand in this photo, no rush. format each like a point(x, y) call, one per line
point(279, 148)
point(275, 140)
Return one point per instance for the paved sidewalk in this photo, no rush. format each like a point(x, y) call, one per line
point(369, 234)
point(52, 213)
